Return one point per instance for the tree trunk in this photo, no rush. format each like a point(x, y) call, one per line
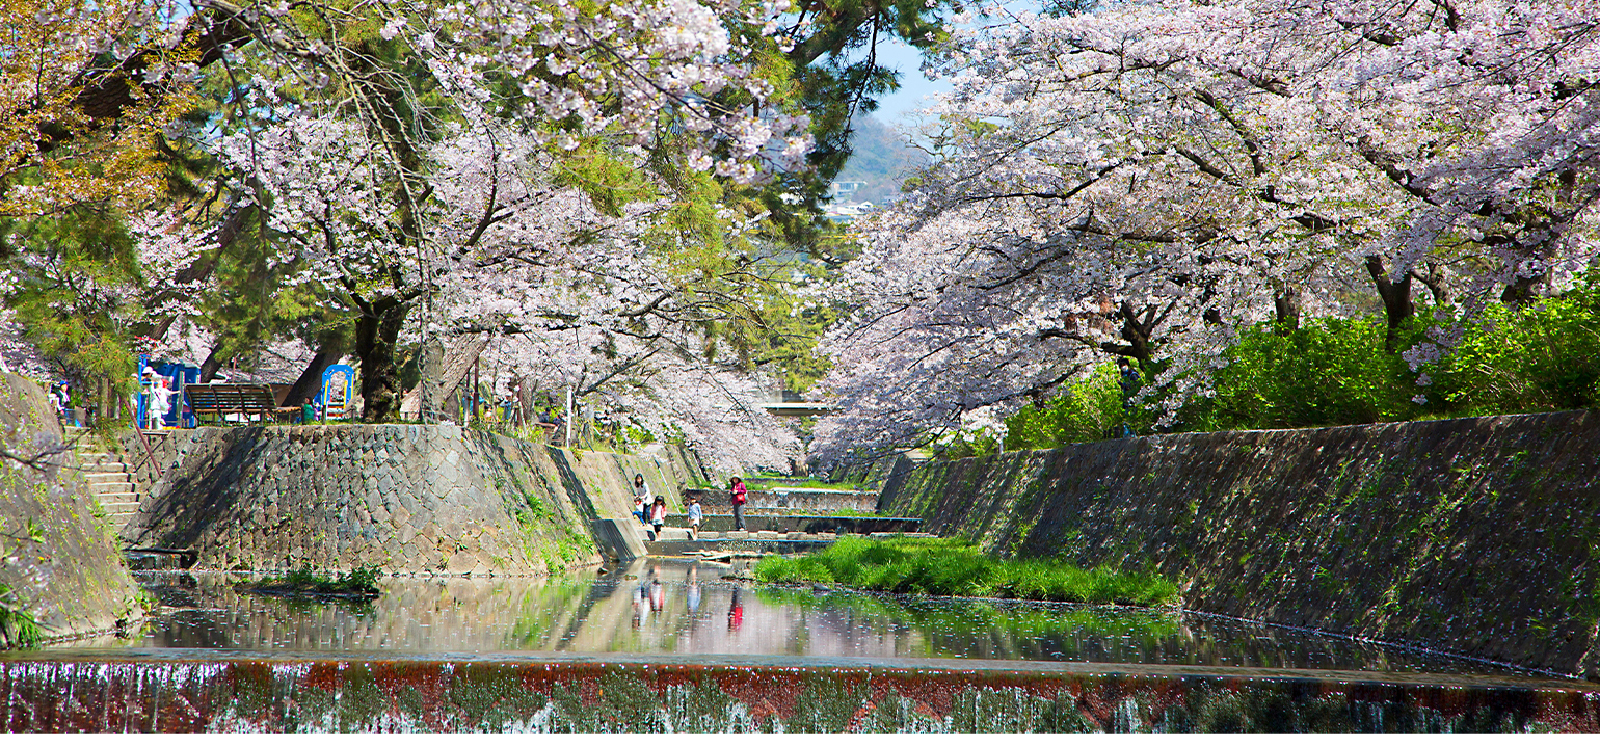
point(208, 370)
point(444, 367)
point(1286, 302)
point(377, 332)
point(310, 380)
point(1397, 303)
point(1137, 332)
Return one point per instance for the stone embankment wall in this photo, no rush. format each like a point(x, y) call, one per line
point(57, 557)
point(1477, 536)
point(433, 499)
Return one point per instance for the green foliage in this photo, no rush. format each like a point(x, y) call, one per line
point(1336, 371)
point(768, 482)
point(360, 582)
point(17, 627)
point(1542, 357)
point(949, 567)
point(1089, 410)
point(71, 293)
point(1327, 372)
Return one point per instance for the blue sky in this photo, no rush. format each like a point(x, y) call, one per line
point(914, 87)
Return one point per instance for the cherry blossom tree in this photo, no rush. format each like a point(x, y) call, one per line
point(1160, 173)
point(354, 113)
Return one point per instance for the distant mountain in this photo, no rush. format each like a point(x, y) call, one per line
point(880, 161)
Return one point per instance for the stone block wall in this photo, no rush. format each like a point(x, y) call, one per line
point(143, 465)
point(1477, 536)
point(60, 563)
point(405, 498)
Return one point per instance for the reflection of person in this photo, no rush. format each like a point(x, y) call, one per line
point(638, 608)
point(658, 595)
point(737, 496)
point(692, 593)
point(735, 612)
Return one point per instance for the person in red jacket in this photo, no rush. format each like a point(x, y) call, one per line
point(737, 497)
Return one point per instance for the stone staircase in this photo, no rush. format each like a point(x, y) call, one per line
point(779, 520)
point(108, 479)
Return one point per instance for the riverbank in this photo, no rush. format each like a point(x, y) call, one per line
point(427, 499)
point(63, 575)
point(1472, 536)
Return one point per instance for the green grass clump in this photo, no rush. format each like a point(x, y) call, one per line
point(360, 583)
point(949, 567)
point(17, 627)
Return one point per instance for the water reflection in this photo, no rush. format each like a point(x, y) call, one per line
point(679, 608)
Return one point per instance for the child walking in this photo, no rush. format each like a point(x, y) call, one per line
point(658, 514)
point(695, 517)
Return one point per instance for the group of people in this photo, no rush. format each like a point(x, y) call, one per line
point(652, 513)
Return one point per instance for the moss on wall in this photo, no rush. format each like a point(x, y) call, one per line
point(436, 499)
point(1479, 536)
point(57, 555)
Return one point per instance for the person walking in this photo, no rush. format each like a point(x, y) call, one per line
point(658, 515)
point(695, 518)
point(737, 496)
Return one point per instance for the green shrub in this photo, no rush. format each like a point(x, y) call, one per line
point(1538, 358)
point(1088, 410)
point(1327, 372)
point(17, 627)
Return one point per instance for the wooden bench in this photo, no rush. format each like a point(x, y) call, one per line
point(222, 399)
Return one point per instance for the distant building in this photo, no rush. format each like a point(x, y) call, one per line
point(841, 191)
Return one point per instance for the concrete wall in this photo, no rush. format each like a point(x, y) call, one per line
point(1477, 536)
point(60, 562)
point(430, 499)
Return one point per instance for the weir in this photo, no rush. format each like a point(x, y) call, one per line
point(673, 645)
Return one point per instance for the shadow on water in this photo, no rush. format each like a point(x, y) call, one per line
point(672, 646)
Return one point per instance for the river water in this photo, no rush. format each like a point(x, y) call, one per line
point(672, 646)
point(664, 607)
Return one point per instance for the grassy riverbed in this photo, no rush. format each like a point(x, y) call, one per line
point(950, 567)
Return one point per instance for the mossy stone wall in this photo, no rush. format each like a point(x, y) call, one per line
point(405, 498)
point(57, 555)
point(1478, 536)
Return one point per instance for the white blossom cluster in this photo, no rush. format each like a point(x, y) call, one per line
point(1188, 167)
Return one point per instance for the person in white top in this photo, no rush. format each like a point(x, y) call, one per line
point(695, 516)
point(160, 399)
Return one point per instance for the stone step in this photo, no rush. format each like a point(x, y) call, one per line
point(108, 497)
point(114, 509)
point(712, 545)
point(110, 487)
point(809, 523)
point(106, 476)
